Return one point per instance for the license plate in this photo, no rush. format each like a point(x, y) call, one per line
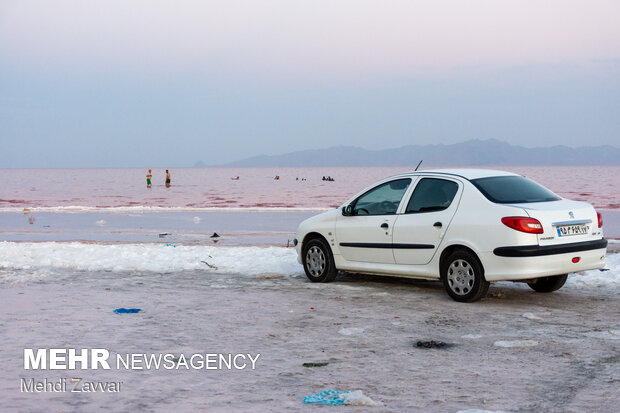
point(568, 230)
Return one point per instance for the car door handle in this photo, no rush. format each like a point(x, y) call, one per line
point(384, 225)
point(437, 224)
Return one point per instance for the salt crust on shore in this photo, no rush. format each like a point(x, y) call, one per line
point(44, 259)
point(52, 256)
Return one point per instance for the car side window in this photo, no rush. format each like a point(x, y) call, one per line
point(431, 194)
point(383, 199)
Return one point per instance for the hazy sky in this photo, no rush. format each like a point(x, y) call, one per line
point(168, 83)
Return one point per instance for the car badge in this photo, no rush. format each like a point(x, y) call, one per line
point(570, 214)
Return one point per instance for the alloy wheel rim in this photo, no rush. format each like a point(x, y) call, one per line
point(315, 261)
point(461, 277)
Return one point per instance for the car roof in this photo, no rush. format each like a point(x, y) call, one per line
point(463, 173)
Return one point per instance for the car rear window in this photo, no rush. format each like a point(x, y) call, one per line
point(513, 190)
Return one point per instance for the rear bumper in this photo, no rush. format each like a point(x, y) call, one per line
point(515, 268)
point(537, 250)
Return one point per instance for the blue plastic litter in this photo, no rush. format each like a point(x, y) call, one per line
point(127, 310)
point(170, 245)
point(328, 397)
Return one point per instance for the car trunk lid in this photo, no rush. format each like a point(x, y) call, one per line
point(564, 221)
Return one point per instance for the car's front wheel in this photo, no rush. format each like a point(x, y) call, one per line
point(548, 284)
point(319, 261)
point(463, 277)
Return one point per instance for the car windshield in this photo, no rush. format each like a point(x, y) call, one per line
point(513, 190)
point(383, 199)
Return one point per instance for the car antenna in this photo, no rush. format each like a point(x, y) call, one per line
point(416, 168)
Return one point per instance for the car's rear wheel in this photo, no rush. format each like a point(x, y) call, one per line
point(463, 277)
point(319, 261)
point(548, 284)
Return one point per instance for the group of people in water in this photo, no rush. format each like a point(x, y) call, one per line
point(328, 178)
point(277, 178)
point(149, 177)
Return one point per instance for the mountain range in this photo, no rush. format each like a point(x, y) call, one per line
point(469, 153)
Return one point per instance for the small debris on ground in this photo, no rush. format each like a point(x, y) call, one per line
point(319, 364)
point(337, 398)
point(531, 316)
point(127, 310)
point(209, 265)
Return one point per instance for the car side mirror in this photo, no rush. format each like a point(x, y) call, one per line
point(347, 210)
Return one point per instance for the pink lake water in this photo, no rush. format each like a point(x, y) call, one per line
point(212, 188)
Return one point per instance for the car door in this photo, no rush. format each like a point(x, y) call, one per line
point(365, 234)
point(420, 229)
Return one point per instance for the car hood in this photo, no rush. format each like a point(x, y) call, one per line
point(326, 220)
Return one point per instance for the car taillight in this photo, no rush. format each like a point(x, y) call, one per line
point(523, 224)
point(600, 219)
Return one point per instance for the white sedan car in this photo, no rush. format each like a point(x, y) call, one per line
point(466, 227)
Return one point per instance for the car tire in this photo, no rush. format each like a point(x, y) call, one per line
point(318, 261)
point(548, 284)
point(463, 277)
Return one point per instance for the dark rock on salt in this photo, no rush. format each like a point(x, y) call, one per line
point(431, 344)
